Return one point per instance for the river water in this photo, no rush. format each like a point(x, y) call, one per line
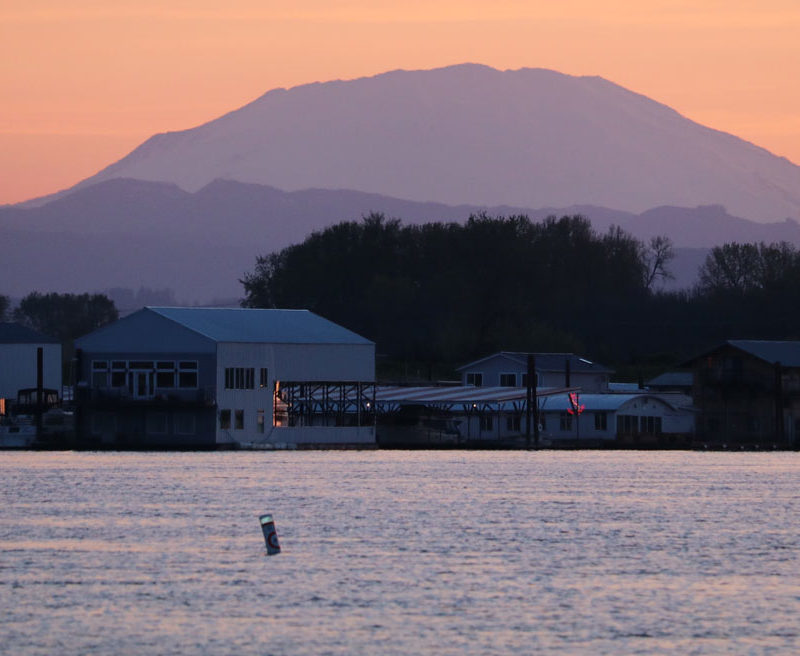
point(400, 553)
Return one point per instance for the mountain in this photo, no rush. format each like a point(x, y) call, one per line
point(131, 233)
point(473, 134)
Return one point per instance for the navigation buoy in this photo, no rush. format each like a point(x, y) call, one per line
point(270, 536)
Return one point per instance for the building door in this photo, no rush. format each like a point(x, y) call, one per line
point(142, 384)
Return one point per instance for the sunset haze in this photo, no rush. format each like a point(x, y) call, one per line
point(87, 82)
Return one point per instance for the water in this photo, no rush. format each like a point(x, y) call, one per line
point(400, 553)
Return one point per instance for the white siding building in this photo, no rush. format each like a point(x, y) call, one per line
point(509, 369)
point(207, 377)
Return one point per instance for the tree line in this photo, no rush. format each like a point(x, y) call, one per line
point(450, 292)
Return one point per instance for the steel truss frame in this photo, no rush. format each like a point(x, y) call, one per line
point(324, 403)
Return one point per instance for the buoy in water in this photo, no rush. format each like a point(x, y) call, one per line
point(270, 535)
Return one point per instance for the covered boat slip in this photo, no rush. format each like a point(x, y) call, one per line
point(420, 417)
point(497, 416)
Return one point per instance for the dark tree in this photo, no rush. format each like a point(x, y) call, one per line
point(449, 291)
point(65, 316)
point(656, 255)
point(730, 268)
point(4, 303)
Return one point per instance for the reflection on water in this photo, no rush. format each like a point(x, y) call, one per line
point(399, 553)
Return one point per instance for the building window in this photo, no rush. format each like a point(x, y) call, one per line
point(99, 373)
point(263, 378)
point(165, 379)
point(239, 378)
point(565, 421)
point(260, 420)
point(157, 423)
point(627, 424)
point(486, 422)
point(600, 421)
point(185, 423)
point(187, 374)
point(475, 380)
point(650, 425)
point(513, 423)
point(239, 420)
point(508, 380)
point(225, 419)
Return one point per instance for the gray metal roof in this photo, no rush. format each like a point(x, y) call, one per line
point(550, 399)
point(768, 350)
point(16, 333)
point(787, 353)
point(461, 393)
point(252, 325)
point(545, 362)
point(672, 379)
point(462, 397)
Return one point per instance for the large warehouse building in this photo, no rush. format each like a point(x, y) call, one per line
point(213, 377)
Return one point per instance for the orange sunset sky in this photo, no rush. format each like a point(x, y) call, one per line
point(83, 82)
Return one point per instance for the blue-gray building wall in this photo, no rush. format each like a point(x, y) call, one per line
point(170, 417)
point(492, 368)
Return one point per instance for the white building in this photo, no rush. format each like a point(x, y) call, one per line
point(624, 418)
point(209, 377)
point(510, 368)
point(18, 362)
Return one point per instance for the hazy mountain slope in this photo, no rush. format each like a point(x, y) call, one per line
point(130, 233)
point(472, 134)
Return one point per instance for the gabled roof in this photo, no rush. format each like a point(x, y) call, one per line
point(249, 325)
point(544, 362)
point(787, 353)
point(771, 351)
point(16, 333)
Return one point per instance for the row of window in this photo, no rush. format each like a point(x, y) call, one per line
point(506, 380)
point(239, 420)
point(514, 422)
point(158, 374)
point(629, 424)
point(244, 377)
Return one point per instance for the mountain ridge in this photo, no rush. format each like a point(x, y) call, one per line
point(133, 233)
point(472, 134)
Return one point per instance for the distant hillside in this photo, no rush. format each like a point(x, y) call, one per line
point(473, 134)
point(129, 233)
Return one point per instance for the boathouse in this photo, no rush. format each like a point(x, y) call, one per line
point(747, 392)
point(464, 415)
point(221, 377)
